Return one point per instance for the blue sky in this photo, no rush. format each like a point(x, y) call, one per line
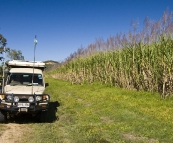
point(62, 26)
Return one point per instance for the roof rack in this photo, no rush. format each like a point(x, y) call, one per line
point(26, 64)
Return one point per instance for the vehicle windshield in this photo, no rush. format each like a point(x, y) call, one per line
point(25, 79)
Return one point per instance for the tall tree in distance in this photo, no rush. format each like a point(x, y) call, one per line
point(2, 39)
point(15, 55)
point(2, 49)
point(11, 54)
point(2, 43)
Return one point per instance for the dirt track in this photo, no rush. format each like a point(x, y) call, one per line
point(13, 133)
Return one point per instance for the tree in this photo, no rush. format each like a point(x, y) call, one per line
point(2, 45)
point(15, 55)
point(2, 39)
point(12, 54)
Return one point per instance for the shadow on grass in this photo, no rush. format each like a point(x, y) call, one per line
point(49, 117)
point(51, 114)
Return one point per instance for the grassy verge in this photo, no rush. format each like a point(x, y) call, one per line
point(96, 113)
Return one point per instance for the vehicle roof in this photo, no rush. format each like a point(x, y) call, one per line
point(25, 64)
point(25, 70)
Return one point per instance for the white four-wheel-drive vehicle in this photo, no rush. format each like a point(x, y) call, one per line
point(23, 91)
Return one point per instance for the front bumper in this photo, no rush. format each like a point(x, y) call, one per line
point(23, 105)
point(31, 109)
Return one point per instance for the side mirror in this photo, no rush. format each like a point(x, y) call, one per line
point(46, 84)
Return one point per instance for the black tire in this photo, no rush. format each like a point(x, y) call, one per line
point(2, 117)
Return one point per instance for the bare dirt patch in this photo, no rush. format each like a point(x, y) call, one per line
point(14, 133)
point(143, 139)
point(106, 119)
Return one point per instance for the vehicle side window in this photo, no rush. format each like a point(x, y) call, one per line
point(38, 79)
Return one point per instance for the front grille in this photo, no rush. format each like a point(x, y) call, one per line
point(23, 99)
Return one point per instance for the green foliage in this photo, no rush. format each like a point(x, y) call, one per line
point(2, 39)
point(140, 66)
point(2, 43)
point(140, 59)
point(15, 55)
point(148, 33)
point(97, 113)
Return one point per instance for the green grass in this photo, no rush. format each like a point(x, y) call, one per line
point(100, 114)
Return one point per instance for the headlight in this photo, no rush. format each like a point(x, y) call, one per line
point(38, 98)
point(10, 97)
point(16, 99)
point(31, 99)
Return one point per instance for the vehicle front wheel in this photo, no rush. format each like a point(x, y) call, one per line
point(2, 117)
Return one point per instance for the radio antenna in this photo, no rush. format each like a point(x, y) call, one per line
point(35, 44)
